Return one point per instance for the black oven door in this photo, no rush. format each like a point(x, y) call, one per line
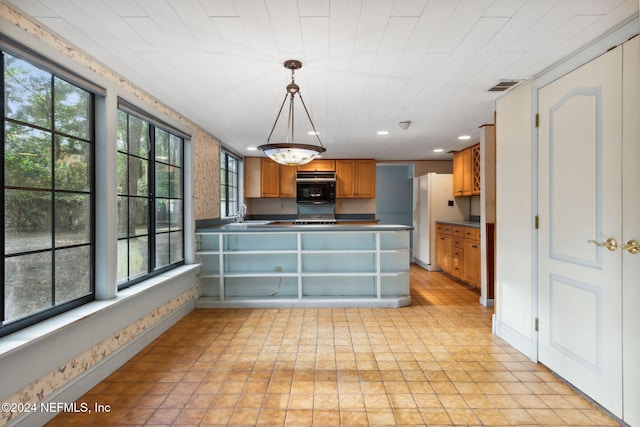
point(321, 192)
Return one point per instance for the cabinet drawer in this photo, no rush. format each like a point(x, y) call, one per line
point(457, 253)
point(457, 230)
point(447, 229)
point(439, 227)
point(457, 242)
point(472, 233)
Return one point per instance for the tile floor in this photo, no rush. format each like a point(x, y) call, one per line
point(433, 363)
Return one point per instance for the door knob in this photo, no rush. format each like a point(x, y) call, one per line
point(632, 246)
point(611, 244)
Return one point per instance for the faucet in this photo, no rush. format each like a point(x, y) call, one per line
point(242, 212)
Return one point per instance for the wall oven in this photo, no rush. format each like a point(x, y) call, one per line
point(316, 187)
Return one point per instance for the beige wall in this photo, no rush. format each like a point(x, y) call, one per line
point(423, 167)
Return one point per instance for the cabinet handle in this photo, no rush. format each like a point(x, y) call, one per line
point(473, 246)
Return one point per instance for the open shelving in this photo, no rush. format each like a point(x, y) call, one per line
point(298, 268)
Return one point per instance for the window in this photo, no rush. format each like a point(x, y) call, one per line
point(150, 198)
point(229, 190)
point(48, 135)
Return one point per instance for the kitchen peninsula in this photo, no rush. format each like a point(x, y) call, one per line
point(271, 264)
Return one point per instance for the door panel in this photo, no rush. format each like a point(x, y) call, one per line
point(579, 199)
point(631, 229)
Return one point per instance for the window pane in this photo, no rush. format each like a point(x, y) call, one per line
point(123, 210)
point(162, 180)
point(138, 137)
point(138, 257)
point(175, 182)
point(27, 220)
point(73, 273)
point(175, 214)
point(27, 157)
point(72, 109)
point(138, 216)
point(123, 162)
point(175, 239)
point(162, 250)
point(162, 215)
point(73, 219)
point(162, 145)
point(27, 284)
point(138, 176)
point(27, 92)
point(73, 158)
point(175, 145)
point(122, 131)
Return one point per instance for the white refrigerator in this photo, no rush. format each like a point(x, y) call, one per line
point(433, 201)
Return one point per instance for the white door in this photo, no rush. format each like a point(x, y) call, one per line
point(631, 230)
point(579, 199)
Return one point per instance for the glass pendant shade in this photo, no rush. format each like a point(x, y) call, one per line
point(290, 153)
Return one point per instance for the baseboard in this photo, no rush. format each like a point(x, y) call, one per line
point(487, 302)
point(80, 385)
point(519, 341)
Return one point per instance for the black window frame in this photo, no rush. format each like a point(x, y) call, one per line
point(153, 124)
point(226, 208)
point(16, 50)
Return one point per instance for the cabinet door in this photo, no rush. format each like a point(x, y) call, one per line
point(443, 251)
point(472, 263)
point(270, 178)
point(458, 174)
point(365, 179)
point(467, 171)
point(318, 165)
point(287, 181)
point(252, 178)
point(345, 173)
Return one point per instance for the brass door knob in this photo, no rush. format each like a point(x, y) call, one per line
point(611, 244)
point(632, 246)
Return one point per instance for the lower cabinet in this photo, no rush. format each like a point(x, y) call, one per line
point(458, 252)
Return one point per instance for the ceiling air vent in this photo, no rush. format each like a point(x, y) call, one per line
point(503, 85)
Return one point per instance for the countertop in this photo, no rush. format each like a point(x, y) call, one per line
point(471, 224)
point(261, 226)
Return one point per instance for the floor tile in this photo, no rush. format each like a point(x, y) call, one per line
point(433, 363)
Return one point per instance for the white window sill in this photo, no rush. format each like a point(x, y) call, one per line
point(20, 339)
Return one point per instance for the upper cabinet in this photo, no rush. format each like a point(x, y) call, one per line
point(466, 172)
point(266, 178)
point(318, 165)
point(355, 179)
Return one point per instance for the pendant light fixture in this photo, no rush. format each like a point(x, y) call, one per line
point(288, 152)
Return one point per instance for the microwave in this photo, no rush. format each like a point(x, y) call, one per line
point(316, 187)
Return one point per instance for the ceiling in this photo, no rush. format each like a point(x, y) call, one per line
point(367, 64)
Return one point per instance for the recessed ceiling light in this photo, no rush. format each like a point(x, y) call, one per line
point(313, 133)
point(383, 132)
point(252, 149)
point(438, 150)
point(464, 137)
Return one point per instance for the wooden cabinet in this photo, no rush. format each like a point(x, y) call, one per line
point(266, 178)
point(443, 251)
point(269, 178)
point(458, 252)
point(318, 165)
point(466, 172)
point(288, 181)
point(355, 179)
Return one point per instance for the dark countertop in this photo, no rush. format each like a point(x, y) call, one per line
point(471, 224)
point(260, 226)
